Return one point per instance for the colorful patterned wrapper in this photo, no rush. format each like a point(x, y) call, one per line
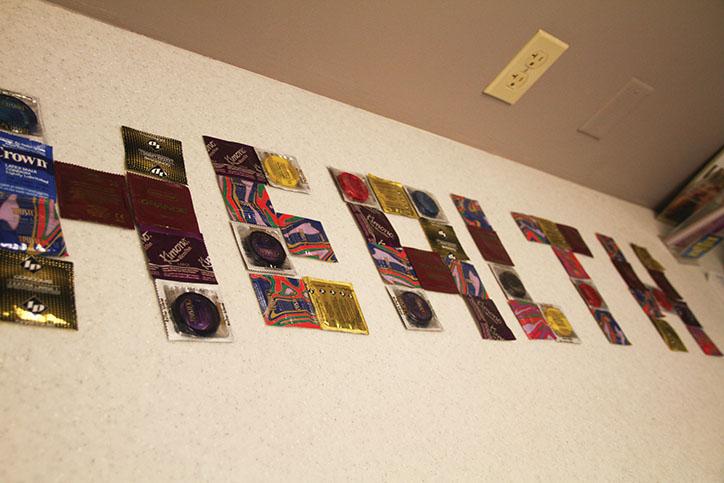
point(247, 201)
point(610, 327)
point(30, 224)
point(529, 227)
point(393, 265)
point(306, 237)
point(466, 278)
point(284, 301)
point(552, 233)
point(471, 212)
point(531, 320)
point(570, 263)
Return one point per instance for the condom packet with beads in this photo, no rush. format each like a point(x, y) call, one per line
point(193, 312)
point(414, 308)
point(354, 188)
point(263, 248)
point(283, 171)
point(36, 291)
point(336, 306)
point(20, 114)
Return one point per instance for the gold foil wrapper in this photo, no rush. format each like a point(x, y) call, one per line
point(336, 306)
point(443, 239)
point(392, 196)
point(559, 324)
point(552, 233)
point(646, 259)
point(669, 335)
point(36, 291)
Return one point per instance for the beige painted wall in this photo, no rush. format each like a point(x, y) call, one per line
point(115, 400)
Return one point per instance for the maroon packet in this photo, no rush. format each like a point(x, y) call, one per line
point(490, 246)
point(374, 225)
point(89, 195)
point(574, 239)
point(665, 285)
point(628, 274)
point(162, 204)
point(234, 159)
point(490, 322)
point(176, 255)
point(431, 271)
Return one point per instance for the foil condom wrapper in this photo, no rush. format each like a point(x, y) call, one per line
point(426, 204)
point(414, 309)
point(283, 171)
point(263, 248)
point(20, 114)
point(354, 188)
point(193, 312)
point(36, 291)
point(336, 306)
point(153, 155)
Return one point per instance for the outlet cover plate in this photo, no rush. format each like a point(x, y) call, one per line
point(528, 65)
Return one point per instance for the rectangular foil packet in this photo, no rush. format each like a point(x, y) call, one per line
point(30, 224)
point(89, 195)
point(426, 204)
point(531, 320)
point(552, 233)
point(284, 301)
point(162, 204)
point(192, 317)
point(431, 271)
point(20, 114)
point(529, 227)
point(234, 159)
point(153, 155)
point(36, 291)
point(247, 201)
point(336, 306)
point(609, 327)
point(466, 278)
point(669, 335)
point(176, 255)
point(26, 167)
point(392, 196)
point(414, 309)
point(283, 171)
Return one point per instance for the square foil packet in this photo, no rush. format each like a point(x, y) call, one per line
point(354, 188)
point(283, 171)
point(153, 155)
point(263, 248)
point(336, 306)
point(36, 291)
point(193, 312)
point(414, 308)
point(20, 114)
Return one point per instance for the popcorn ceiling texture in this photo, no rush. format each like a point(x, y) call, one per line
point(116, 401)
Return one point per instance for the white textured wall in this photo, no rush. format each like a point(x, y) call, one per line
point(115, 400)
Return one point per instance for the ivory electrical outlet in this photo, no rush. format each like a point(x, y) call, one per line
point(527, 67)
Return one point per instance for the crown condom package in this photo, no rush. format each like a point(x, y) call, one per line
point(36, 291)
point(30, 224)
point(193, 312)
point(26, 167)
